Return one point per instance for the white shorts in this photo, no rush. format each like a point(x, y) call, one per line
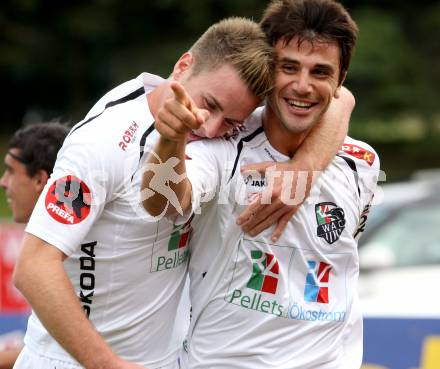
point(29, 359)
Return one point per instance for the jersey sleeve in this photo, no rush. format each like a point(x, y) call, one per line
point(82, 182)
point(366, 165)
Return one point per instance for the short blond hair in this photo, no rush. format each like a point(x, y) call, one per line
point(241, 43)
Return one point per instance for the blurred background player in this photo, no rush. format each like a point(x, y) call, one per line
point(29, 161)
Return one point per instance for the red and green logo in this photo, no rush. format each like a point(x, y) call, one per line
point(265, 272)
point(179, 236)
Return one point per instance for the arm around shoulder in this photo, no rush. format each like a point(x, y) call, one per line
point(327, 137)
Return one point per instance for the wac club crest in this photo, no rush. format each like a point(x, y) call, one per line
point(331, 221)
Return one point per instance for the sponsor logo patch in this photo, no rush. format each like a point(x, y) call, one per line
point(68, 200)
point(331, 221)
point(179, 237)
point(265, 271)
point(359, 153)
point(287, 282)
point(87, 276)
point(317, 279)
point(176, 252)
point(129, 136)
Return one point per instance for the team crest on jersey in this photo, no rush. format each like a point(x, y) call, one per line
point(359, 153)
point(68, 200)
point(331, 221)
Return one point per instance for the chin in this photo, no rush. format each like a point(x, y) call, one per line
point(20, 218)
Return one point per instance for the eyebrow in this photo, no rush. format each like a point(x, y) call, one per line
point(289, 60)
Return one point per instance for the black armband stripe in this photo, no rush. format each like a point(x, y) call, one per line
point(350, 162)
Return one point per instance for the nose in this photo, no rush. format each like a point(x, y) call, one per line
point(302, 84)
point(3, 181)
point(212, 127)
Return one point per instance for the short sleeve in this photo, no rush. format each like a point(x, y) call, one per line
point(367, 166)
point(74, 197)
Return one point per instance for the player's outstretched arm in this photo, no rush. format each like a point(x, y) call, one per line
point(8, 358)
point(39, 274)
point(311, 158)
point(165, 189)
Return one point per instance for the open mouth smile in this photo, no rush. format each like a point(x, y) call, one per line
point(300, 104)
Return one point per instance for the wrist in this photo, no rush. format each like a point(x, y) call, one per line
point(172, 145)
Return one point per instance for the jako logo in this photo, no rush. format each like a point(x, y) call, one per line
point(317, 279)
point(265, 271)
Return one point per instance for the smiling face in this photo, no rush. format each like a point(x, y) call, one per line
point(221, 91)
point(21, 190)
point(306, 80)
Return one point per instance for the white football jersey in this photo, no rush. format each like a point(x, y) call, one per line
point(127, 269)
point(286, 304)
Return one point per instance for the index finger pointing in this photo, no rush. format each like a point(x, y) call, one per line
point(180, 94)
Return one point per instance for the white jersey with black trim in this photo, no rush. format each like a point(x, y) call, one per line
point(127, 269)
point(286, 304)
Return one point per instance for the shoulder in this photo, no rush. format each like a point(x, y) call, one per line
point(253, 124)
point(362, 161)
point(360, 154)
point(120, 97)
point(123, 92)
point(205, 149)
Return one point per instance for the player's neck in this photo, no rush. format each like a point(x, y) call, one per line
point(279, 136)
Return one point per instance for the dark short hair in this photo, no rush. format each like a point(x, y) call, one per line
point(312, 21)
point(39, 144)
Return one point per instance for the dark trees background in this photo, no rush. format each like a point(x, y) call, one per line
point(58, 57)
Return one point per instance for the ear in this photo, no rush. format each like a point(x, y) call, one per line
point(183, 65)
point(338, 89)
point(40, 179)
